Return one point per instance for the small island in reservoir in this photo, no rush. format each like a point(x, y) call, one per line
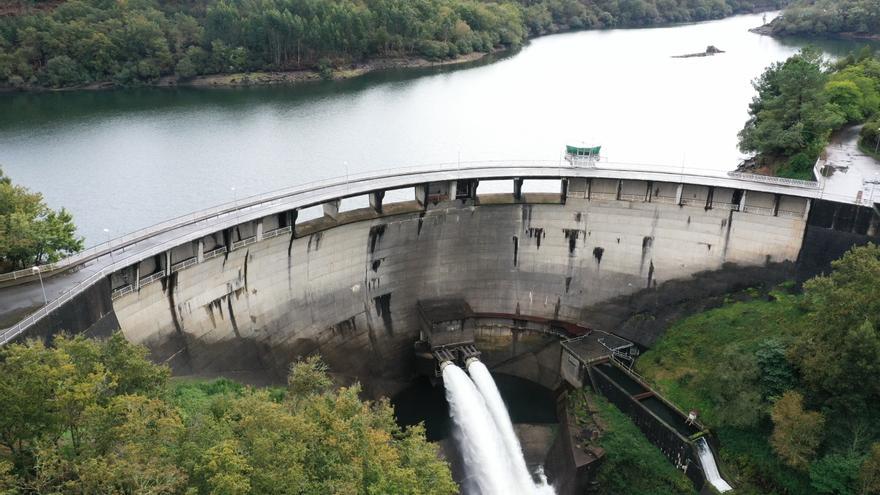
point(710, 50)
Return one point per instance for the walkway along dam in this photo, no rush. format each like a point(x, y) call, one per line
point(250, 286)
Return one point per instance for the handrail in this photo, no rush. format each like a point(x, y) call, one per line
point(769, 179)
point(256, 200)
point(276, 197)
point(18, 328)
point(126, 240)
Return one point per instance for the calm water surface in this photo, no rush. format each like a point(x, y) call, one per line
point(126, 159)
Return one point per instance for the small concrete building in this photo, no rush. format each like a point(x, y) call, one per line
point(445, 322)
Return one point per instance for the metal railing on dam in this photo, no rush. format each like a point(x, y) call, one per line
point(106, 258)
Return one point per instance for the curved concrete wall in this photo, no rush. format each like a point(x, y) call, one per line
point(349, 291)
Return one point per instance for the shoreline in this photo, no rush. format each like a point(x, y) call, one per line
point(296, 77)
point(767, 30)
point(273, 78)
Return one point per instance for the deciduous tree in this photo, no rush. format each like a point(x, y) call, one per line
point(869, 473)
point(796, 432)
point(839, 354)
point(31, 232)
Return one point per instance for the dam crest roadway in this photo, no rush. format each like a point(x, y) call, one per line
point(132, 262)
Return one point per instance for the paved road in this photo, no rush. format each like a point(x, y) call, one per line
point(851, 167)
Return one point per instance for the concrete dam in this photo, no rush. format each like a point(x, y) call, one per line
point(434, 272)
point(249, 287)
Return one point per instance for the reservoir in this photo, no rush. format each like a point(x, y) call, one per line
point(125, 159)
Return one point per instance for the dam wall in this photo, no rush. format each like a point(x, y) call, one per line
point(349, 291)
point(89, 313)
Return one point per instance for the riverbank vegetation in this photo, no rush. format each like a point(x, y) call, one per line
point(852, 18)
point(787, 380)
point(801, 101)
point(869, 137)
point(87, 42)
point(96, 417)
point(31, 233)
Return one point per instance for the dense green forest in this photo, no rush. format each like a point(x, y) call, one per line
point(787, 380)
point(802, 100)
point(78, 42)
point(95, 417)
point(31, 233)
point(829, 17)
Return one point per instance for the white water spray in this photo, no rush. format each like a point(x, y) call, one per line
point(480, 445)
point(710, 469)
point(516, 462)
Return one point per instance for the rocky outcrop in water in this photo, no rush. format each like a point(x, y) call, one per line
point(710, 50)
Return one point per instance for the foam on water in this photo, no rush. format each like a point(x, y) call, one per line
point(710, 469)
point(516, 462)
point(492, 455)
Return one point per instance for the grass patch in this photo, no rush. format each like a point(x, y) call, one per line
point(691, 346)
point(632, 465)
point(195, 395)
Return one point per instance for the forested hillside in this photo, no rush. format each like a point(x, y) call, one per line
point(829, 17)
point(787, 380)
point(44, 43)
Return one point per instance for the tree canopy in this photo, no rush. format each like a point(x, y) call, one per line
point(796, 432)
point(791, 111)
point(88, 416)
point(839, 353)
point(829, 17)
point(803, 366)
point(802, 100)
point(31, 233)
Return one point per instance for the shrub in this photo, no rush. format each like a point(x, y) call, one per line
point(835, 474)
point(185, 68)
point(325, 69)
point(63, 71)
point(870, 135)
point(433, 50)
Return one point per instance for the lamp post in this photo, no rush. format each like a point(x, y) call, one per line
point(39, 273)
point(107, 232)
point(234, 201)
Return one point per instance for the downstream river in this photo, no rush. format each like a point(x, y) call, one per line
point(122, 160)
